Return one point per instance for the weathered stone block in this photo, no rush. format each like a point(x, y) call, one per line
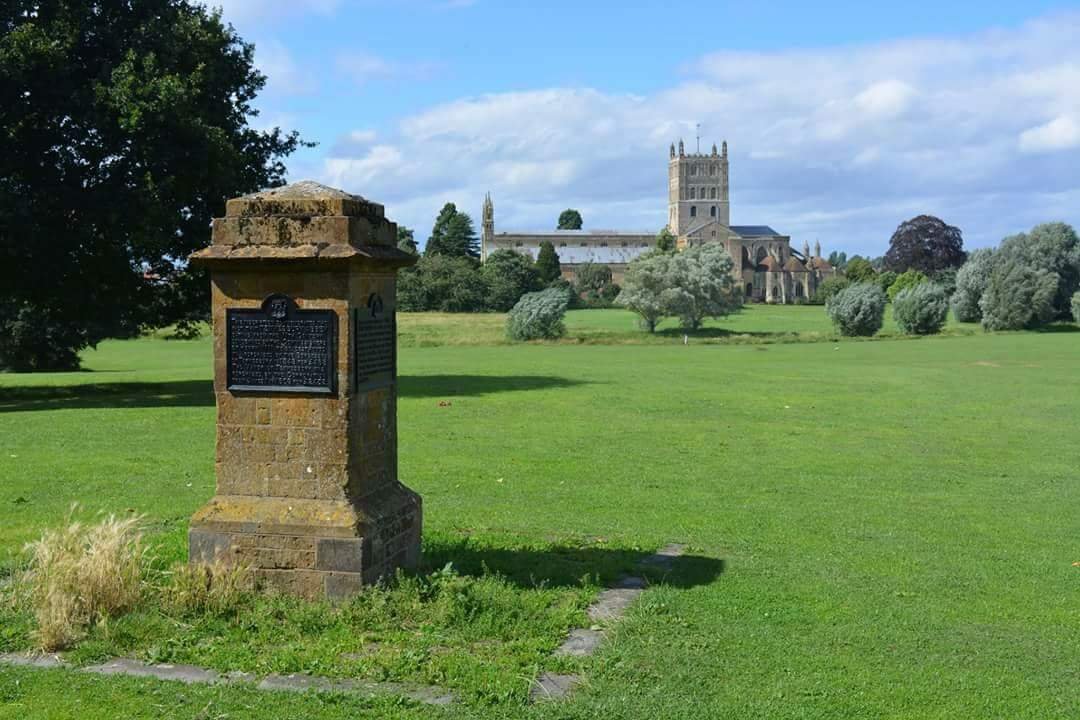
point(340, 555)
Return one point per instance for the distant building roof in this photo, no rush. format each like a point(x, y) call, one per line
point(769, 263)
point(754, 230)
point(576, 233)
point(819, 263)
point(793, 265)
point(578, 255)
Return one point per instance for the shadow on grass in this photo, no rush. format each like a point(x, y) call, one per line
point(1059, 327)
point(566, 566)
point(425, 386)
point(715, 332)
point(200, 393)
point(186, 393)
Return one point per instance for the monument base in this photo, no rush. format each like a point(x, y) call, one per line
point(311, 548)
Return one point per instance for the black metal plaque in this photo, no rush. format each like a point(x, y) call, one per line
point(280, 348)
point(374, 343)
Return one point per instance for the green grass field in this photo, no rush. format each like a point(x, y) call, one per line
point(880, 529)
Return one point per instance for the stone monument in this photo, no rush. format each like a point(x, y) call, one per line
point(305, 376)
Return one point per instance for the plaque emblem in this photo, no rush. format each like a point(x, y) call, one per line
point(277, 306)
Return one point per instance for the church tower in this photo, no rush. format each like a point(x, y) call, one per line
point(487, 227)
point(697, 189)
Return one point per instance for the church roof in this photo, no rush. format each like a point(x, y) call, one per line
point(754, 230)
point(819, 263)
point(576, 233)
point(793, 265)
point(769, 263)
point(578, 255)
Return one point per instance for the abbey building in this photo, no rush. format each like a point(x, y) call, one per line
point(767, 268)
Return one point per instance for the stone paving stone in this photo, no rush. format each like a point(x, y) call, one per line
point(611, 604)
point(579, 643)
point(665, 555)
point(550, 686)
point(134, 668)
point(302, 683)
point(28, 660)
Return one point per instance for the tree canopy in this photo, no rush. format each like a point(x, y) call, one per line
point(406, 240)
point(125, 128)
point(859, 270)
point(665, 240)
point(453, 234)
point(925, 243)
point(547, 263)
point(569, 219)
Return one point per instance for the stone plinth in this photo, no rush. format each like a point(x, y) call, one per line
point(303, 290)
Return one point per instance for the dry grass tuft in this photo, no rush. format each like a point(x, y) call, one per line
point(215, 588)
point(82, 574)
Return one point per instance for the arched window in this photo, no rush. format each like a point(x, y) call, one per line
point(712, 193)
point(693, 169)
point(760, 255)
point(712, 169)
point(712, 211)
point(693, 211)
point(693, 193)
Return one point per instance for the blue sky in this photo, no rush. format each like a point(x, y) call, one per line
point(842, 120)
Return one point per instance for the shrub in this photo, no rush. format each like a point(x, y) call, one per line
point(538, 316)
point(1076, 306)
point(921, 310)
point(905, 280)
point(971, 280)
point(1018, 296)
point(83, 574)
point(592, 278)
point(508, 275)
point(857, 310)
point(828, 288)
point(216, 588)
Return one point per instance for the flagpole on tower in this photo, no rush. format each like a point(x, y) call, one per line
point(699, 138)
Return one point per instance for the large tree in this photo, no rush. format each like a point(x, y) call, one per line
point(124, 126)
point(547, 263)
point(569, 219)
point(700, 285)
point(925, 243)
point(453, 234)
point(508, 275)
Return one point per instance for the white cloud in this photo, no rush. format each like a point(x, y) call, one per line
point(363, 67)
point(839, 144)
point(1061, 133)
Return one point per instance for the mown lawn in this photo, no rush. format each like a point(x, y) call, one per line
point(896, 520)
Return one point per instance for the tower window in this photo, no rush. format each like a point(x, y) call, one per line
point(712, 193)
point(712, 169)
point(693, 211)
point(693, 193)
point(712, 212)
point(693, 169)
